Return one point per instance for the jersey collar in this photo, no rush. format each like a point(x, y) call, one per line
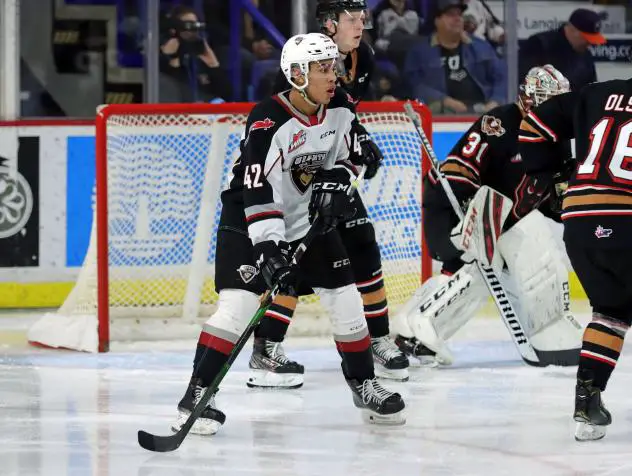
point(311, 120)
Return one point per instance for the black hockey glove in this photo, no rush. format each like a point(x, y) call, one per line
point(329, 199)
point(560, 184)
point(365, 152)
point(273, 262)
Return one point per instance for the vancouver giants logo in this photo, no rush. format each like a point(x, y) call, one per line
point(298, 140)
point(303, 168)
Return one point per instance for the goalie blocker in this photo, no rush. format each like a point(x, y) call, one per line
point(531, 269)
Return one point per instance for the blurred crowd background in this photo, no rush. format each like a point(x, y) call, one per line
point(77, 54)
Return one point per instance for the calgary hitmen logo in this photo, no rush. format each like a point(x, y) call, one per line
point(303, 168)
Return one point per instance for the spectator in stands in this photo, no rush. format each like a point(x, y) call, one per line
point(453, 72)
point(395, 28)
point(566, 48)
point(481, 23)
point(394, 22)
point(187, 58)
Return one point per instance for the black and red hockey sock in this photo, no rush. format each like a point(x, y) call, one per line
point(213, 348)
point(601, 347)
point(357, 359)
point(276, 320)
point(375, 305)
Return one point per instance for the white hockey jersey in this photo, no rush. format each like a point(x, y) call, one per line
point(281, 150)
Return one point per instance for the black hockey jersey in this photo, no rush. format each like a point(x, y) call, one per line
point(355, 72)
point(597, 206)
point(281, 149)
point(487, 154)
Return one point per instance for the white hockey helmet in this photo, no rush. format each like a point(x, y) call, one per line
point(301, 50)
point(540, 83)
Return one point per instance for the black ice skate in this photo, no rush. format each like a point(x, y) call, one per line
point(591, 415)
point(211, 418)
point(390, 362)
point(379, 405)
point(271, 368)
point(411, 347)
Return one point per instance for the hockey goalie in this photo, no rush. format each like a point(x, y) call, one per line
point(505, 227)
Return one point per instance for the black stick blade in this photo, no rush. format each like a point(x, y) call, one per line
point(160, 444)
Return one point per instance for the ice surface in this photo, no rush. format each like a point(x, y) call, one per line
point(64, 413)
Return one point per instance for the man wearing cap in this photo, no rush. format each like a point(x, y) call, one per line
point(566, 48)
point(453, 72)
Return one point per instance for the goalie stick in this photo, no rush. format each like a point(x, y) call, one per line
point(172, 442)
point(496, 289)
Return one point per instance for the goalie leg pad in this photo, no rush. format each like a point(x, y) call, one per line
point(446, 309)
point(538, 287)
point(423, 292)
point(478, 233)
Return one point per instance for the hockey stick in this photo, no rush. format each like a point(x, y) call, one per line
point(172, 442)
point(494, 285)
point(495, 19)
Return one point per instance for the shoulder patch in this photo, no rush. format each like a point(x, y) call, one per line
point(492, 126)
point(266, 123)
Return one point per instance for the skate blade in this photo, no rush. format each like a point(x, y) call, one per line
point(400, 375)
point(202, 426)
point(427, 361)
point(393, 419)
point(587, 432)
point(270, 380)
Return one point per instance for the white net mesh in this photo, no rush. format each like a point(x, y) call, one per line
point(165, 175)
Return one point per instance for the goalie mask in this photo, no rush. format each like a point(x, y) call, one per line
point(302, 50)
point(541, 83)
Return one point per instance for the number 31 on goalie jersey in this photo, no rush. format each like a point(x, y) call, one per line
point(473, 147)
point(252, 176)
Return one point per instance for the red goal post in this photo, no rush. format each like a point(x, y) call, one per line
point(148, 272)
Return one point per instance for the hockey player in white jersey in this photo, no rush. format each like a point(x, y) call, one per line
point(294, 165)
point(343, 21)
point(483, 164)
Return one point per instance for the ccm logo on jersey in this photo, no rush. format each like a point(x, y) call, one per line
point(298, 140)
point(303, 168)
point(342, 263)
point(328, 133)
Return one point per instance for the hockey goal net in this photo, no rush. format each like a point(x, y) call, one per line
point(148, 272)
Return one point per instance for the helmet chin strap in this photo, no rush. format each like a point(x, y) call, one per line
point(306, 97)
point(303, 93)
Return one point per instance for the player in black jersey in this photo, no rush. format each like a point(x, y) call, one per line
point(597, 217)
point(344, 21)
point(486, 158)
point(289, 170)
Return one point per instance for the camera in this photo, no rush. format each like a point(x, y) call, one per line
point(195, 27)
